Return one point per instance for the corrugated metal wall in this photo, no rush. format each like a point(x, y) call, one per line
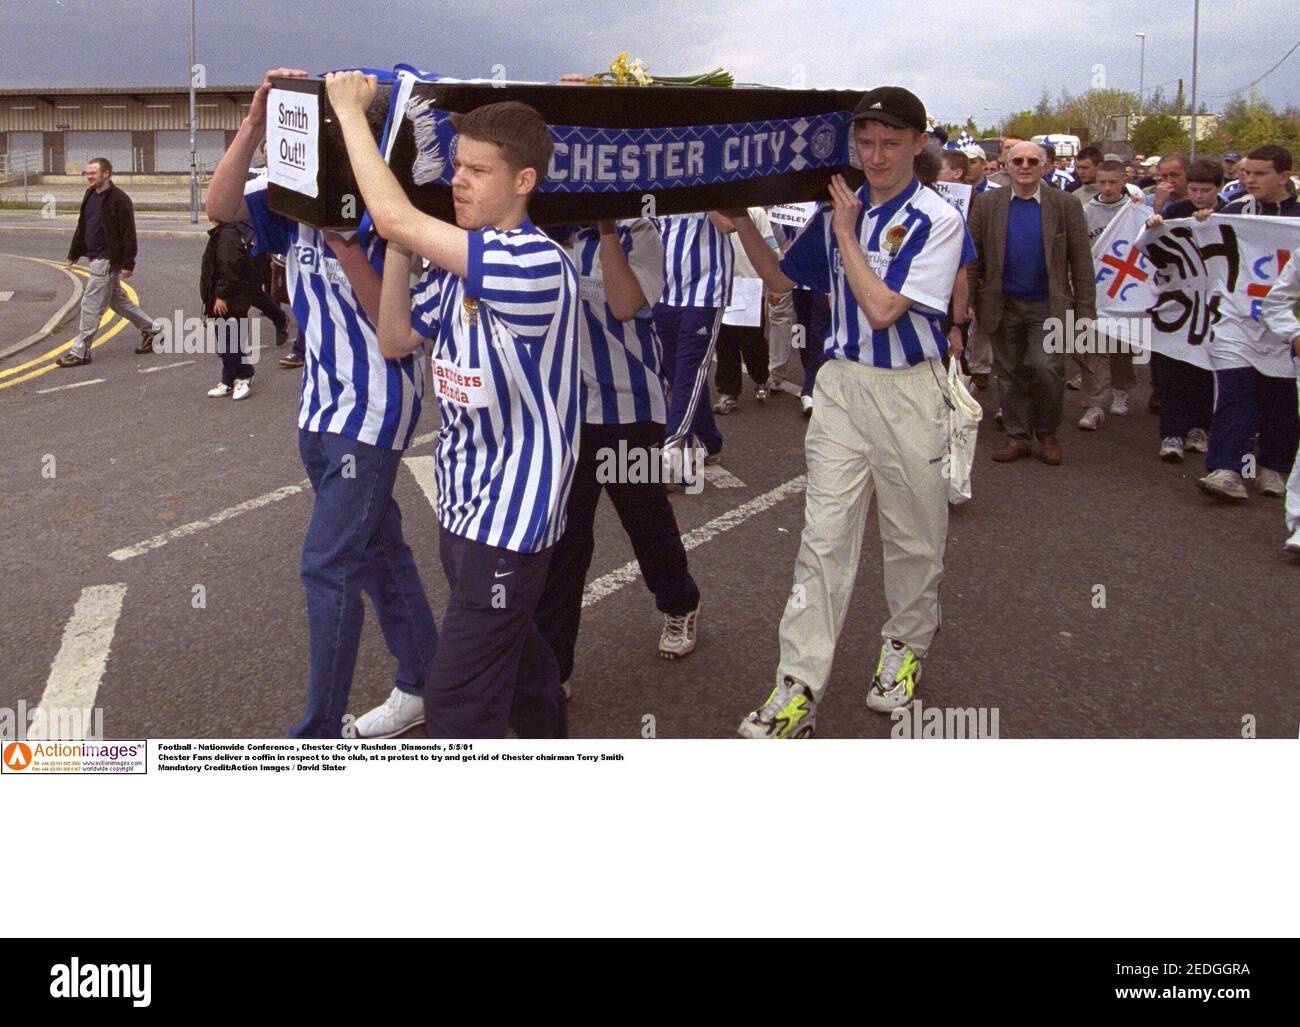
point(111, 111)
point(172, 149)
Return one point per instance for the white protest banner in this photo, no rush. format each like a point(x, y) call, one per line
point(1208, 279)
point(292, 128)
point(956, 193)
point(795, 215)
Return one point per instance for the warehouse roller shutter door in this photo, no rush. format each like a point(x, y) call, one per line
point(172, 149)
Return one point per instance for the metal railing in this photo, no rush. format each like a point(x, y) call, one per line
point(19, 168)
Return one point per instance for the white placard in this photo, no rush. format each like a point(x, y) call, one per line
point(292, 128)
point(956, 193)
point(795, 215)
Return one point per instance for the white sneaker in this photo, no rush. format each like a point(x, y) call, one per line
point(1092, 418)
point(221, 390)
point(898, 671)
point(678, 636)
point(1225, 484)
point(1270, 483)
point(399, 713)
point(726, 405)
point(1292, 545)
point(1171, 449)
point(1198, 441)
point(1119, 402)
point(806, 403)
point(1074, 383)
point(789, 712)
point(242, 388)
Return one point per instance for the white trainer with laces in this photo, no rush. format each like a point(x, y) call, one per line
point(1198, 441)
point(242, 388)
point(1292, 545)
point(221, 390)
point(1270, 483)
point(806, 403)
point(1092, 418)
point(1225, 484)
point(1119, 402)
point(400, 712)
point(678, 636)
point(1171, 449)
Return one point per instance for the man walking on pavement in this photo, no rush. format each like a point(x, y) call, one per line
point(106, 236)
point(1034, 267)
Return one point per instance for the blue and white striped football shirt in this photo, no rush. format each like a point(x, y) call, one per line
point(914, 242)
point(505, 375)
point(622, 361)
point(348, 388)
point(698, 262)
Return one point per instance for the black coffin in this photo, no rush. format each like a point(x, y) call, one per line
point(602, 111)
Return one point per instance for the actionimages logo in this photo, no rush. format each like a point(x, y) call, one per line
point(102, 980)
point(17, 756)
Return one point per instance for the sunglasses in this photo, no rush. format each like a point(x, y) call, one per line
point(1021, 162)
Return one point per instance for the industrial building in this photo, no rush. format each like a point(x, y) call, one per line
point(143, 130)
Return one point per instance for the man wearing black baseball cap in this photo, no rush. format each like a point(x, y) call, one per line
point(888, 254)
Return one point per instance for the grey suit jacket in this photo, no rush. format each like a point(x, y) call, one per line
point(1071, 277)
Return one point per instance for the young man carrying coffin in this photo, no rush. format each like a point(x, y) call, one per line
point(356, 414)
point(499, 304)
point(888, 255)
point(624, 408)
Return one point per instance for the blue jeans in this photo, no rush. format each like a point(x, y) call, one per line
point(353, 544)
point(689, 336)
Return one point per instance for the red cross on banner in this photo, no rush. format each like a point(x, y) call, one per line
point(1260, 288)
point(1126, 268)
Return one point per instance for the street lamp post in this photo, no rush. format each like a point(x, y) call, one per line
point(1142, 69)
point(1196, 31)
point(194, 165)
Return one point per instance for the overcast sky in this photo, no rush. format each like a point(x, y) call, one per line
point(983, 58)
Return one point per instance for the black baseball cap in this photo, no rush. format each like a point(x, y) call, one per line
point(891, 105)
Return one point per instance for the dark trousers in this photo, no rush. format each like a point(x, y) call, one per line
point(273, 310)
point(1246, 402)
point(1186, 395)
point(688, 336)
point(812, 311)
point(232, 332)
point(354, 544)
point(1031, 380)
point(734, 342)
point(493, 668)
point(647, 517)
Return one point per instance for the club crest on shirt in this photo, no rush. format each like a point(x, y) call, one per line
point(469, 309)
point(893, 240)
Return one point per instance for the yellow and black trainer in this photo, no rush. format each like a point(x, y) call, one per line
point(898, 672)
point(789, 712)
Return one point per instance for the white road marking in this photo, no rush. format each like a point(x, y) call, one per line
point(420, 440)
point(721, 478)
point(207, 522)
point(163, 367)
point(74, 385)
point(6, 296)
point(421, 468)
point(79, 665)
point(610, 583)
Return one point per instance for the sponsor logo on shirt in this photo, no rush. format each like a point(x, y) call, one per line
point(463, 387)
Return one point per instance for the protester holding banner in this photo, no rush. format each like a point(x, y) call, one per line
point(499, 303)
point(1279, 309)
point(1253, 382)
point(888, 255)
point(356, 415)
point(1034, 266)
point(1106, 373)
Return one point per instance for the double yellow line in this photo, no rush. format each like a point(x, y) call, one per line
point(7, 379)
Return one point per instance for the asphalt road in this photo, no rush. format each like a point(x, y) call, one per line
point(1197, 630)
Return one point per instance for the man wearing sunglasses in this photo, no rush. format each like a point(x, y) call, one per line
point(1033, 265)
